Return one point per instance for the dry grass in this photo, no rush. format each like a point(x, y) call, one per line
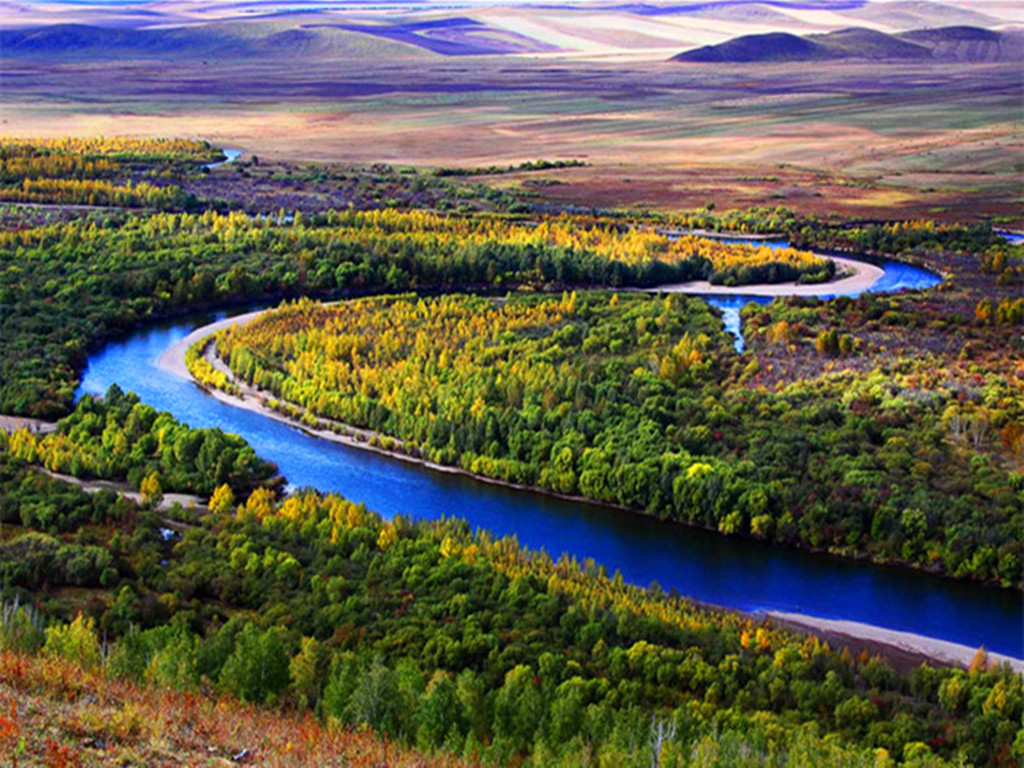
point(53, 714)
point(836, 138)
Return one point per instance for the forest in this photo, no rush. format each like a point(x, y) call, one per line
point(121, 438)
point(472, 329)
point(65, 286)
point(453, 642)
point(639, 401)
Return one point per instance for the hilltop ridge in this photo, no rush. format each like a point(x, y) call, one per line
point(958, 43)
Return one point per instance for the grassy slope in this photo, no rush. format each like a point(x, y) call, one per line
point(54, 713)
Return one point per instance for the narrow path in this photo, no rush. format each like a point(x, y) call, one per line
point(168, 501)
point(35, 426)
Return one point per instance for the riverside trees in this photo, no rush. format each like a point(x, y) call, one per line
point(640, 401)
point(65, 285)
point(461, 643)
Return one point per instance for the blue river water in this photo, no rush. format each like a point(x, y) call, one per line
point(897, 277)
point(230, 155)
point(731, 572)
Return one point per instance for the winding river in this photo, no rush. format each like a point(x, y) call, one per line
point(731, 572)
point(230, 155)
point(885, 276)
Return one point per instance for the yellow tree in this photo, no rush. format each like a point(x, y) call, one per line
point(150, 489)
point(223, 500)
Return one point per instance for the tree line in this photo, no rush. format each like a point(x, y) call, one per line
point(64, 286)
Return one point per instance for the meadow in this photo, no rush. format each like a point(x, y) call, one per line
point(918, 138)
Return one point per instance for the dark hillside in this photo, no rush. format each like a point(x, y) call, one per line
point(75, 40)
point(860, 43)
point(971, 44)
point(213, 42)
point(775, 46)
point(961, 44)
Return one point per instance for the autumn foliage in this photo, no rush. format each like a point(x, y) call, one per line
point(55, 713)
point(639, 401)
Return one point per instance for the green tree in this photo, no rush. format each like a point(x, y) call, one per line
point(307, 669)
point(257, 669)
point(440, 715)
point(518, 709)
point(176, 663)
point(75, 642)
point(375, 700)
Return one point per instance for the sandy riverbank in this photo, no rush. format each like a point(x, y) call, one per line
point(855, 277)
point(905, 647)
point(173, 358)
point(173, 361)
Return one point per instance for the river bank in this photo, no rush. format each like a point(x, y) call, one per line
point(230, 155)
point(736, 573)
point(904, 649)
point(853, 277)
point(255, 401)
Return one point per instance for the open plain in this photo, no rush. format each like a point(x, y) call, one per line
point(857, 136)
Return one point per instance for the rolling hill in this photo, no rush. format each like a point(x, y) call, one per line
point(220, 41)
point(961, 44)
point(66, 40)
point(645, 30)
point(969, 44)
point(774, 46)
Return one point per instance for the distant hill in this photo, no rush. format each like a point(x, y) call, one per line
point(774, 46)
point(918, 14)
point(207, 41)
point(860, 43)
point(70, 39)
point(965, 44)
point(970, 43)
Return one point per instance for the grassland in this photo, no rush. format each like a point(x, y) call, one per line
point(853, 138)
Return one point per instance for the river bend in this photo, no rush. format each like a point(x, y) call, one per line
point(731, 572)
